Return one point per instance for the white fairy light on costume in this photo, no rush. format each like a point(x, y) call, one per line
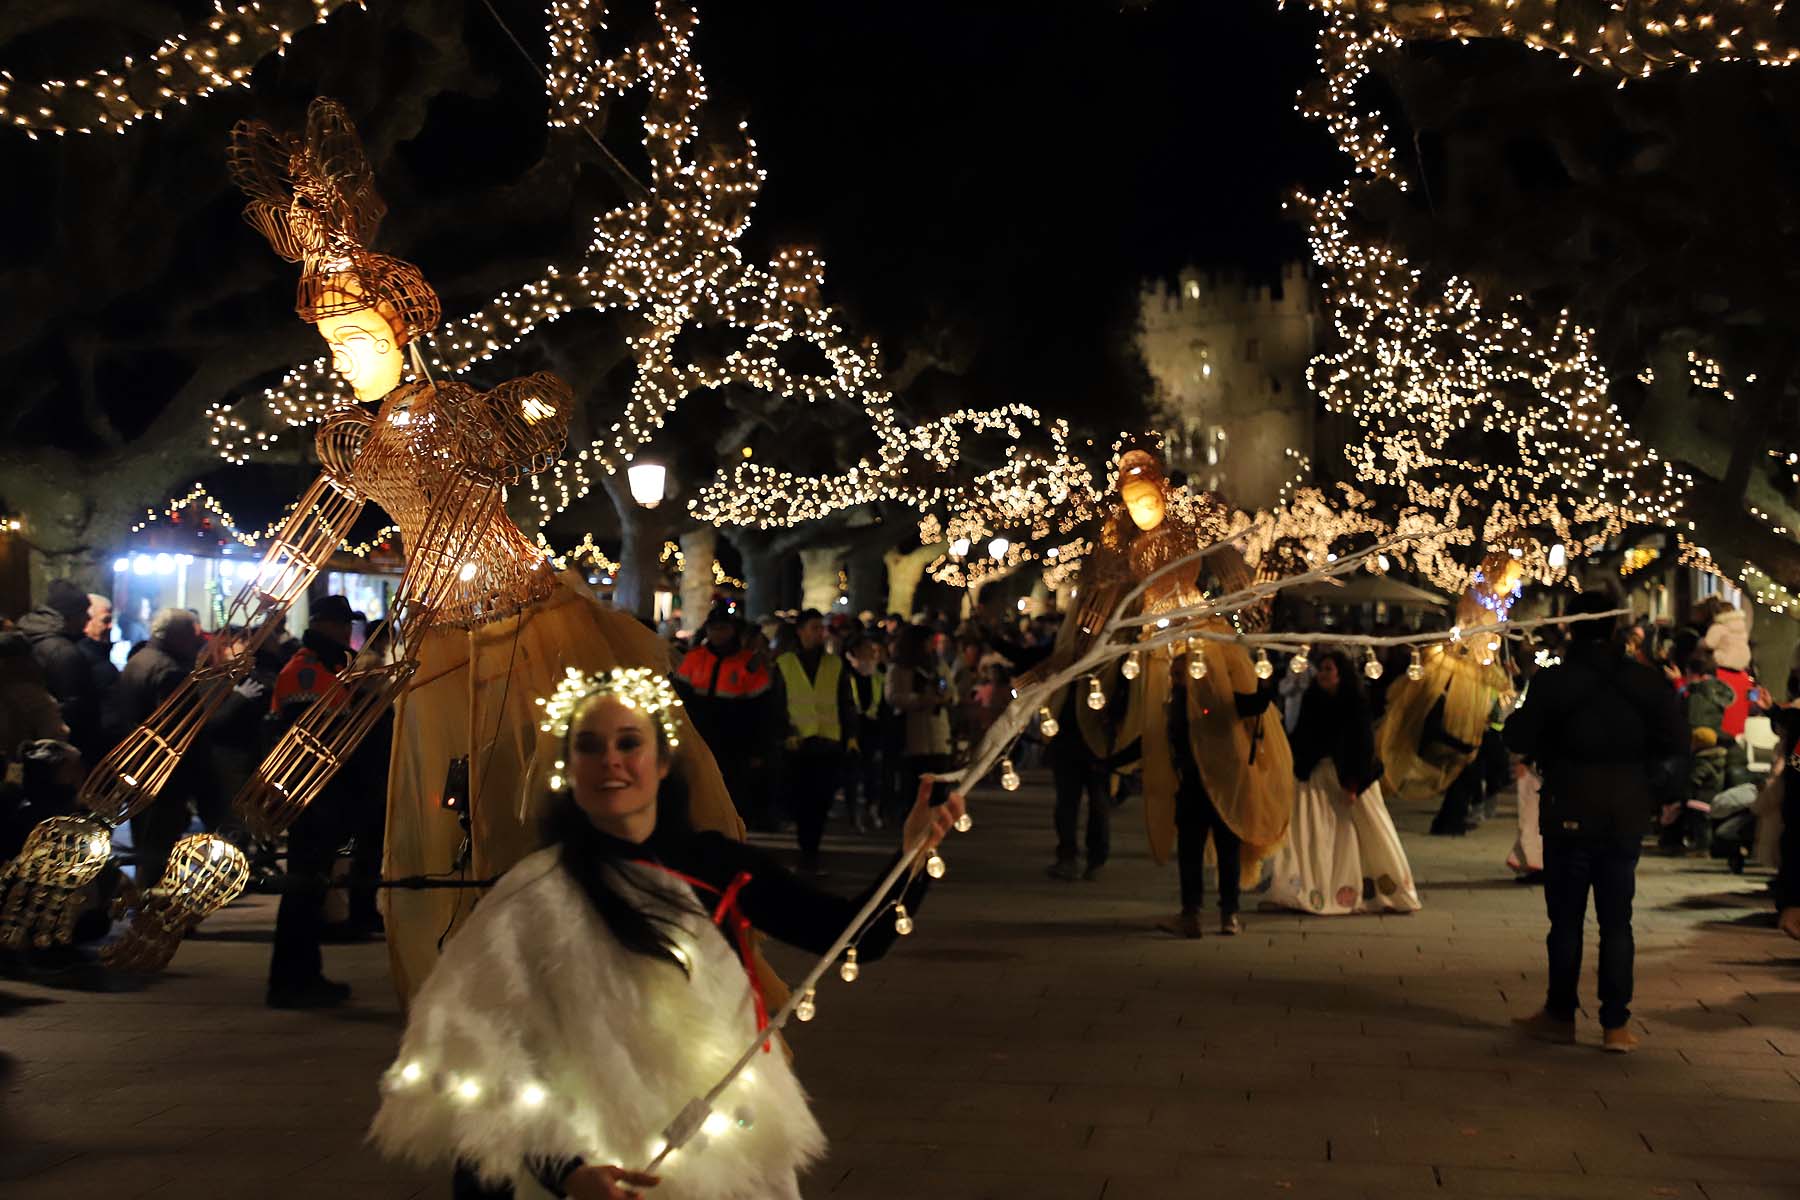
point(850, 970)
point(903, 924)
point(639, 688)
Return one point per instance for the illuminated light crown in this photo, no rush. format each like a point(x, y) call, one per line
point(638, 688)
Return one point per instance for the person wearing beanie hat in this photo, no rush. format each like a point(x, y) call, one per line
point(56, 629)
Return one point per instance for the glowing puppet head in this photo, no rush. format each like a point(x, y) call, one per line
point(1142, 488)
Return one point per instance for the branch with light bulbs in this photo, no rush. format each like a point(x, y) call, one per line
point(1121, 636)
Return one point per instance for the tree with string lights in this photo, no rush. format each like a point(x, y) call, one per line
point(1533, 317)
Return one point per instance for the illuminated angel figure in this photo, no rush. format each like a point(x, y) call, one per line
point(1215, 760)
point(481, 622)
point(1438, 713)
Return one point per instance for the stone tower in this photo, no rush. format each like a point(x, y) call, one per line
point(1228, 358)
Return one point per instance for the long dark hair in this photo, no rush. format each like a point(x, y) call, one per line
point(595, 861)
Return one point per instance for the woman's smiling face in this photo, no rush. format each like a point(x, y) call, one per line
point(616, 766)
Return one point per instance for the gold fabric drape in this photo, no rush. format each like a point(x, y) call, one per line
point(1245, 764)
point(1419, 772)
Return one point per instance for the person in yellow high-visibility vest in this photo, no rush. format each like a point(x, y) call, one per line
point(822, 724)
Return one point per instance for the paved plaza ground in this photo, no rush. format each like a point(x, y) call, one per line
point(1034, 1040)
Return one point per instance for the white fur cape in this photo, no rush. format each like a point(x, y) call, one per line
point(539, 1035)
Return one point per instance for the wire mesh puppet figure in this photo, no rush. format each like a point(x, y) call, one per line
point(1244, 762)
point(480, 622)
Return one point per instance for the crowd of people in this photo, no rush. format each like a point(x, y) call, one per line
point(64, 705)
point(816, 718)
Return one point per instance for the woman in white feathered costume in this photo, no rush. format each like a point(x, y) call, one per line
point(603, 984)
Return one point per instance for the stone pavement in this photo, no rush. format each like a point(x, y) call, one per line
point(1034, 1040)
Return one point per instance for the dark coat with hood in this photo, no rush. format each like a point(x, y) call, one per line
point(68, 673)
point(1339, 727)
point(1596, 725)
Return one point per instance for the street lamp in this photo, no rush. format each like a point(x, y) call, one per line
point(959, 548)
point(998, 547)
point(646, 481)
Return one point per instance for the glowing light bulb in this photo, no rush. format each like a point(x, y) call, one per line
point(935, 865)
point(850, 970)
point(468, 1091)
point(532, 1096)
point(1009, 776)
point(1372, 665)
point(1297, 665)
point(964, 823)
point(1096, 697)
point(1133, 666)
point(1196, 657)
point(903, 924)
point(1264, 668)
point(1048, 725)
point(412, 1072)
point(806, 1010)
point(467, 573)
point(1415, 670)
point(715, 1124)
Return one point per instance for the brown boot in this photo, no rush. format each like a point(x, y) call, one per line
point(1545, 1027)
point(1619, 1041)
point(1183, 924)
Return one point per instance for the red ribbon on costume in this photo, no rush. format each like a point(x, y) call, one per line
point(727, 909)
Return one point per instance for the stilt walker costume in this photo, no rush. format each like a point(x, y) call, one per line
point(1438, 712)
point(1214, 757)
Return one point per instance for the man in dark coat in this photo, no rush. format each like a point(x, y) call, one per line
point(149, 677)
point(1594, 725)
point(56, 629)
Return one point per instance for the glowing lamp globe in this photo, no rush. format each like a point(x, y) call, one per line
point(959, 548)
point(646, 481)
point(998, 547)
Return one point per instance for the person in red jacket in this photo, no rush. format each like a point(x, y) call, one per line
point(296, 967)
point(725, 687)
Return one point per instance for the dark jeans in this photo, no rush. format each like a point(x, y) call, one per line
point(313, 841)
point(813, 775)
point(1195, 817)
point(1460, 798)
point(1077, 773)
point(1572, 867)
point(154, 833)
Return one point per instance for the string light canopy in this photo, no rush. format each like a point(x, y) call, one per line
point(1470, 407)
point(218, 53)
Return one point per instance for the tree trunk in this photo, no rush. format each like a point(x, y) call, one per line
point(868, 577)
point(904, 570)
point(819, 577)
point(762, 572)
point(641, 535)
point(699, 547)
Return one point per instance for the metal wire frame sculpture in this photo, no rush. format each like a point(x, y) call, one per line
point(205, 873)
point(436, 456)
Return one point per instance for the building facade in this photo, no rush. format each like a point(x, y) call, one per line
point(1228, 357)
